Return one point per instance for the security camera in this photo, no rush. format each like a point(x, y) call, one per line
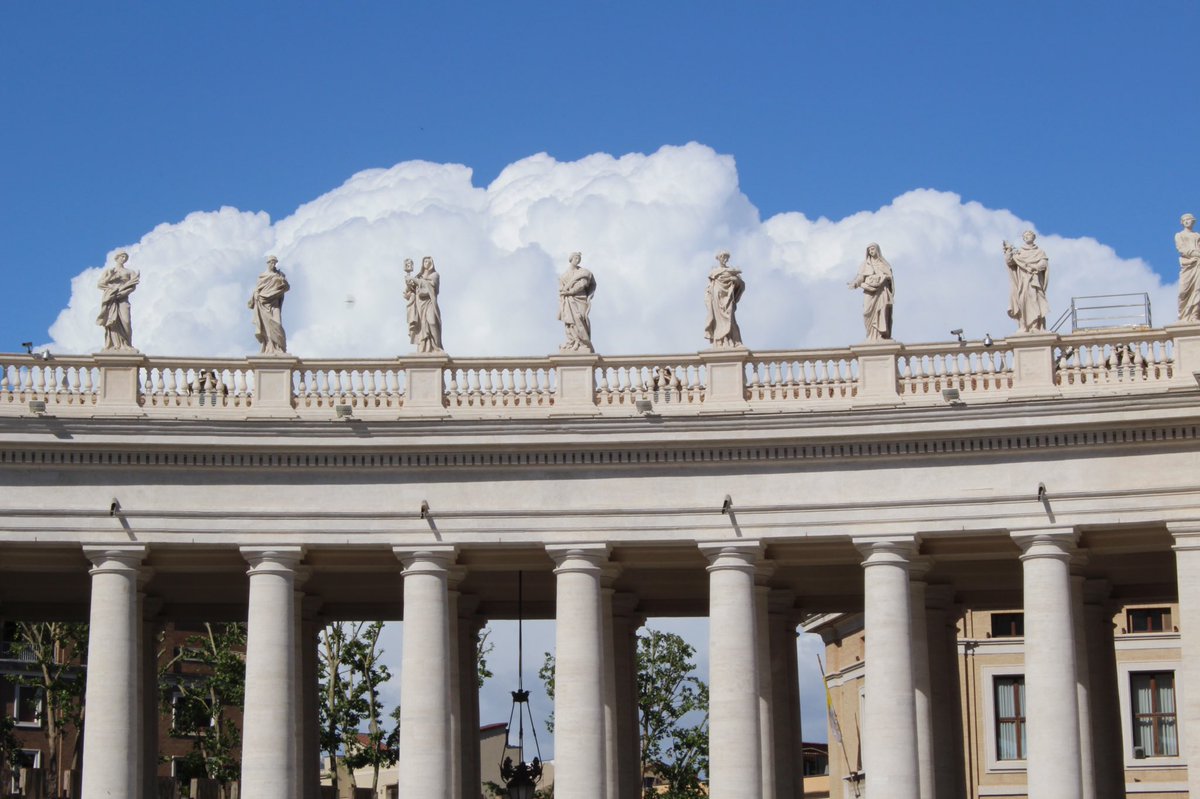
point(958, 333)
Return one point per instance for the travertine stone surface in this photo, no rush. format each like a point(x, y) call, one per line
point(117, 282)
point(725, 288)
point(878, 284)
point(575, 289)
point(266, 303)
point(1028, 273)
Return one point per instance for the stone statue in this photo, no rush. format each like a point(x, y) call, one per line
point(1028, 272)
point(575, 289)
point(875, 279)
point(266, 301)
point(725, 288)
point(116, 284)
point(1187, 241)
point(420, 295)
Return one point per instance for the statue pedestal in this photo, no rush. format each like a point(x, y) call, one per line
point(576, 376)
point(877, 374)
point(1187, 353)
point(272, 386)
point(425, 386)
point(726, 391)
point(1033, 365)
point(119, 380)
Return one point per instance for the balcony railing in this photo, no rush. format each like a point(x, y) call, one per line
point(1040, 365)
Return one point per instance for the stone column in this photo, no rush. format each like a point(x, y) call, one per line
point(734, 737)
point(781, 624)
point(922, 690)
point(148, 754)
point(110, 738)
point(310, 758)
point(298, 685)
point(890, 728)
point(766, 695)
point(454, 579)
point(625, 671)
point(579, 767)
point(1102, 691)
point(469, 626)
point(269, 720)
point(1187, 575)
point(1052, 705)
point(425, 672)
point(1087, 766)
point(943, 682)
point(611, 756)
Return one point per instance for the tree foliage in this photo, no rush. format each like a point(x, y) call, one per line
point(54, 651)
point(351, 675)
point(199, 700)
point(672, 714)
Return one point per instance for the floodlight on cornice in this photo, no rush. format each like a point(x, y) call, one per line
point(37, 407)
point(951, 395)
point(644, 406)
point(344, 411)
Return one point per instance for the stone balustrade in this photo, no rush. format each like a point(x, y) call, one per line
point(861, 376)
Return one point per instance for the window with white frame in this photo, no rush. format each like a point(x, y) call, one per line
point(27, 706)
point(1009, 694)
point(1152, 701)
point(26, 758)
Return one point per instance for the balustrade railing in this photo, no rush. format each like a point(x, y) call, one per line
point(70, 381)
point(1045, 365)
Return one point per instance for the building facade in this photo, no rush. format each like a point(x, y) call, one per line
point(753, 488)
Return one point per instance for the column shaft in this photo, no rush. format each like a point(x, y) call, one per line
point(456, 678)
point(579, 762)
point(612, 783)
point(310, 760)
point(1087, 766)
point(734, 737)
point(922, 690)
point(625, 675)
point(1103, 697)
point(468, 682)
point(766, 696)
point(1052, 707)
point(944, 693)
point(269, 721)
point(425, 674)
point(149, 704)
point(1187, 576)
point(110, 738)
point(784, 735)
point(890, 728)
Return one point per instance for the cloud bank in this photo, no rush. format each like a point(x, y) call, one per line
point(648, 226)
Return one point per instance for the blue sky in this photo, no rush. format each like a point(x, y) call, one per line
point(118, 118)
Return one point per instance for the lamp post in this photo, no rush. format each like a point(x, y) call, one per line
point(521, 779)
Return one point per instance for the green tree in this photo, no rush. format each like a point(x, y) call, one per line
point(483, 648)
point(10, 748)
point(199, 700)
point(672, 713)
point(54, 651)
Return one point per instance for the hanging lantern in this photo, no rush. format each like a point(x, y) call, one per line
point(521, 778)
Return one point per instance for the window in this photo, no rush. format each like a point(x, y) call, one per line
point(1008, 625)
point(1010, 717)
point(27, 706)
point(1153, 701)
point(188, 716)
point(1149, 620)
point(26, 758)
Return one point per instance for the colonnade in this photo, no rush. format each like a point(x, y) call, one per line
point(754, 702)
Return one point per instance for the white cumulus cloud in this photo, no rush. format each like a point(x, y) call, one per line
point(648, 226)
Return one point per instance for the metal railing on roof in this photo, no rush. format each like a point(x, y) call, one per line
point(1106, 310)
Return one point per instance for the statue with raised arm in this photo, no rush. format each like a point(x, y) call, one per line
point(421, 300)
point(575, 289)
point(725, 288)
point(116, 284)
point(875, 279)
point(1187, 241)
point(266, 301)
point(1028, 273)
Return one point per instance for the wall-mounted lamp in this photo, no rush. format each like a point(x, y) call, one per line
point(115, 507)
point(424, 509)
point(1041, 492)
point(727, 505)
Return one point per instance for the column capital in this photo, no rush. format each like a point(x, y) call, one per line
point(116, 558)
point(1186, 534)
point(742, 555)
point(887, 549)
point(919, 567)
point(429, 557)
point(588, 558)
point(1046, 542)
point(609, 572)
point(282, 559)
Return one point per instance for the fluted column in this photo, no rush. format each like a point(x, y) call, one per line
point(425, 672)
point(766, 697)
point(110, 738)
point(1102, 691)
point(579, 764)
point(1053, 755)
point(785, 735)
point(890, 727)
point(922, 690)
point(269, 721)
point(734, 738)
point(625, 672)
point(1087, 766)
point(1187, 575)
